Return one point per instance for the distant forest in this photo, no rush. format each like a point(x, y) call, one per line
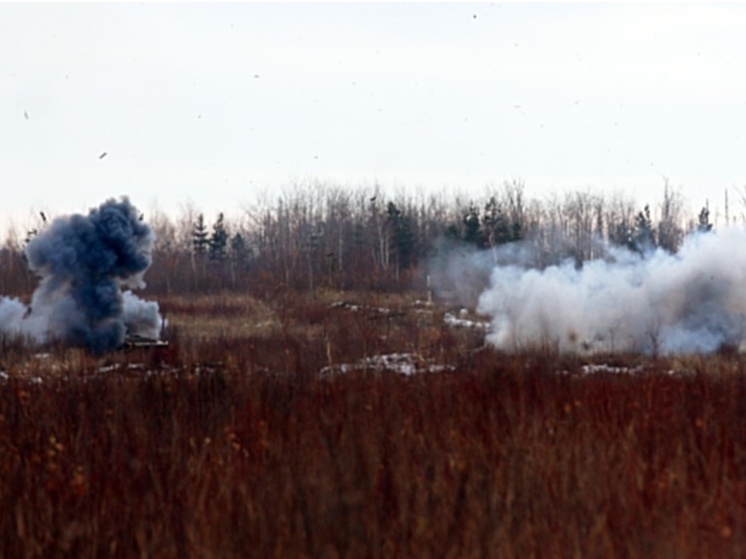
point(319, 237)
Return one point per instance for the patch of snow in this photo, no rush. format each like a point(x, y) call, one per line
point(603, 368)
point(343, 305)
point(120, 366)
point(594, 368)
point(451, 320)
point(354, 307)
point(402, 363)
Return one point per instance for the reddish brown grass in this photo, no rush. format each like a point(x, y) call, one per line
point(233, 447)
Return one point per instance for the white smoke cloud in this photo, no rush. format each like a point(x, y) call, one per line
point(460, 272)
point(142, 318)
point(12, 312)
point(690, 302)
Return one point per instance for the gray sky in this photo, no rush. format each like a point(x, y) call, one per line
point(211, 104)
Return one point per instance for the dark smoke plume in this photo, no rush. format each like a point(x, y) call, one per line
point(84, 262)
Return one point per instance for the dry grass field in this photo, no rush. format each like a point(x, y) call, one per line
point(273, 428)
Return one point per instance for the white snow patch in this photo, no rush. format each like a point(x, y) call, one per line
point(451, 320)
point(402, 363)
point(354, 307)
point(605, 369)
point(594, 368)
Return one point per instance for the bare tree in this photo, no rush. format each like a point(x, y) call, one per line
point(619, 217)
point(670, 228)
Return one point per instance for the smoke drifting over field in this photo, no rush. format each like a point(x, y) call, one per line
point(84, 262)
point(690, 302)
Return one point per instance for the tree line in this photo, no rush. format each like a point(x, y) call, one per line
point(319, 236)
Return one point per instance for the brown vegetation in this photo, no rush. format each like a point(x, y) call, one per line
point(229, 443)
point(321, 236)
point(271, 427)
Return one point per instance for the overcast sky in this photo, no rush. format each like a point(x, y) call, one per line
point(210, 104)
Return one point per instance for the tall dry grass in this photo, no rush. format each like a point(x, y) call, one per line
point(232, 446)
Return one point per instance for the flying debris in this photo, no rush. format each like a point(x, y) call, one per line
point(25, 115)
point(102, 155)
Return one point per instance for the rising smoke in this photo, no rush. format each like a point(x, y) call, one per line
point(83, 263)
point(693, 301)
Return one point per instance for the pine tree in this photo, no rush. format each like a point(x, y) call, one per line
point(402, 235)
point(218, 242)
point(451, 232)
point(200, 240)
point(516, 231)
point(704, 225)
point(239, 250)
point(495, 224)
point(643, 239)
point(472, 227)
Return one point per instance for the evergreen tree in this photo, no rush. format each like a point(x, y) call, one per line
point(239, 250)
point(200, 240)
point(451, 232)
point(621, 234)
point(218, 243)
point(704, 225)
point(516, 231)
point(643, 239)
point(472, 227)
point(405, 242)
point(402, 234)
point(495, 224)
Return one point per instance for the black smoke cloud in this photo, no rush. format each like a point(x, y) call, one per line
point(84, 262)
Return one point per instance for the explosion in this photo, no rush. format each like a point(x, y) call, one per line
point(84, 263)
point(693, 301)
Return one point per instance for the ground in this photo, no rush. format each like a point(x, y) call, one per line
point(364, 425)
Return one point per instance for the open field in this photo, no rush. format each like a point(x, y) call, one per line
point(273, 428)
